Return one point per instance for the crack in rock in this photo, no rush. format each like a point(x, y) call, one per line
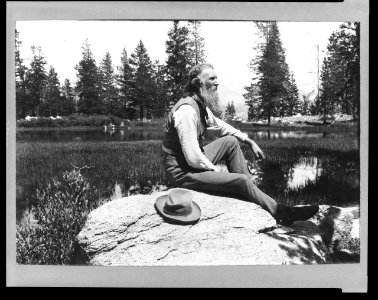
point(164, 256)
point(130, 246)
point(163, 237)
point(212, 217)
point(267, 229)
point(106, 248)
point(119, 230)
point(277, 230)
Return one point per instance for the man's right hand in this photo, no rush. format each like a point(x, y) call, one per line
point(218, 169)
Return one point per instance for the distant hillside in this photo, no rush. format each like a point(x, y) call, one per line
point(312, 94)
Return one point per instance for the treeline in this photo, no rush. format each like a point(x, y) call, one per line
point(136, 88)
point(274, 93)
point(340, 73)
point(140, 88)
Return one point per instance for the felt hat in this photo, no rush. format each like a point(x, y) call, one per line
point(178, 207)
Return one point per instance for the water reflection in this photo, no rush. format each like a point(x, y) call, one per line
point(108, 133)
point(90, 135)
point(297, 134)
point(308, 169)
point(334, 180)
point(287, 175)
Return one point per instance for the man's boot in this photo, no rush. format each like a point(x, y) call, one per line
point(286, 215)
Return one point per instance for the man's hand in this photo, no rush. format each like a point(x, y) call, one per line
point(255, 149)
point(218, 169)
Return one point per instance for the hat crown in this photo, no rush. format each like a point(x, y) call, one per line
point(179, 202)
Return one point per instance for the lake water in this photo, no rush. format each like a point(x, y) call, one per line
point(144, 134)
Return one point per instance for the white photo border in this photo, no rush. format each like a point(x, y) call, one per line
point(348, 277)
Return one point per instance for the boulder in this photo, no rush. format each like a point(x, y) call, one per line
point(129, 232)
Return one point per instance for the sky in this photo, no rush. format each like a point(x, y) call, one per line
point(229, 47)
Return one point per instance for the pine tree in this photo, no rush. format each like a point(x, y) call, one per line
point(69, 105)
point(340, 75)
point(21, 81)
point(126, 85)
point(273, 73)
point(253, 101)
point(336, 66)
point(287, 98)
point(273, 77)
point(159, 105)
point(36, 77)
point(87, 86)
point(230, 110)
point(108, 89)
point(142, 74)
point(349, 49)
point(196, 44)
point(326, 102)
point(178, 62)
point(293, 103)
point(305, 106)
point(52, 100)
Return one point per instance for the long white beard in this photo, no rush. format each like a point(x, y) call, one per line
point(211, 99)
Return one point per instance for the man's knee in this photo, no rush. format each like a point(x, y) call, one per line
point(244, 180)
point(231, 141)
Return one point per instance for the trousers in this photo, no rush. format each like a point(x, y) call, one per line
point(238, 181)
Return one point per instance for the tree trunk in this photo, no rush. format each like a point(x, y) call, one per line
point(141, 110)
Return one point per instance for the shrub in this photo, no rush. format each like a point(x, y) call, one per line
point(149, 123)
point(47, 232)
point(73, 120)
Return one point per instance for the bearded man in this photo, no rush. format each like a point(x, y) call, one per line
point(189, 164)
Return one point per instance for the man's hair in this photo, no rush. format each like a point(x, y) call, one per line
point(194, 73)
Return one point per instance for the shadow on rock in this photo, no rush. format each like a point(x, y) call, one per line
point(330, 230)
point(302, 249)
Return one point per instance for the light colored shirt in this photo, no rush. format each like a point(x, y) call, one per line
point(185, 121)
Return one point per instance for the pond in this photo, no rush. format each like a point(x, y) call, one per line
point(307, 169)
point(301, 166)
point(153, 133)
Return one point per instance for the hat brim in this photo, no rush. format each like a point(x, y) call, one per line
point(189, 219)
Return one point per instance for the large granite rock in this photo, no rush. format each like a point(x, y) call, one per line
point(129, 232)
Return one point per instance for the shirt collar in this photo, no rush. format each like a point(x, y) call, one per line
point(202, 106)
point(199, 99)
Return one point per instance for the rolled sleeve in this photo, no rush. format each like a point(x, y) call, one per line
point(221, 128)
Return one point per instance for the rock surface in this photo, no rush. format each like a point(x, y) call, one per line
point(129, 232)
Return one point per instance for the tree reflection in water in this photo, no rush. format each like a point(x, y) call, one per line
point(309, 179)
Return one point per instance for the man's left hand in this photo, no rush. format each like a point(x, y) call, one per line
point(256, 149)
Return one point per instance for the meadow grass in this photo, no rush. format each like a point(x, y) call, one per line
point(106, 164)
point(139, 162)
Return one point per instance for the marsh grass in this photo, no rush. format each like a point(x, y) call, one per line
point(137, 166)
point(125, 163)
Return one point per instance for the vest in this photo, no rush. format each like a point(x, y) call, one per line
point(171, 143)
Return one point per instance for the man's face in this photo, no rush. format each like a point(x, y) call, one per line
point(208, 88)
point(209, 79)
